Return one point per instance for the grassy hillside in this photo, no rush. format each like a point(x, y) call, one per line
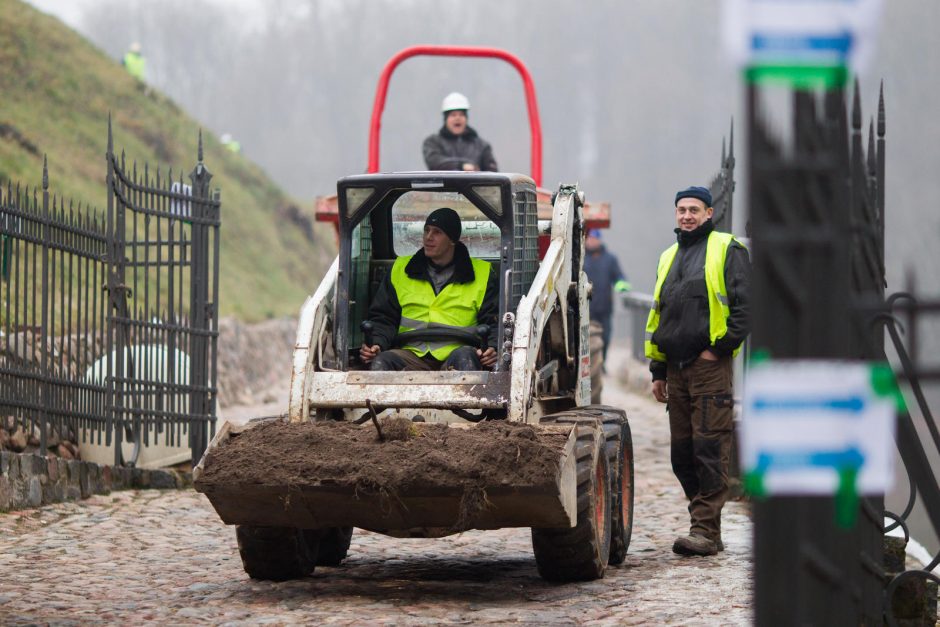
point(57, 90)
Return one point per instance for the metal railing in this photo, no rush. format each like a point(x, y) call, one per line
point(638, 304)
point(108, 321)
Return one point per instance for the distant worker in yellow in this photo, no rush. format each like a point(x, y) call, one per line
point(457, 146)
point(134, 62)
point(231, 143)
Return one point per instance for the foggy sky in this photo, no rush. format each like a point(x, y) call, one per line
point(635, 97)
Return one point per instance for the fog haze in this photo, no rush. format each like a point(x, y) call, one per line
point(635, 97)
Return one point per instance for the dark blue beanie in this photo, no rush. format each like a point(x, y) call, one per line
point(701, 193)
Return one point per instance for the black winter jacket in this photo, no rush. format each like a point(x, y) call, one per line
point(683, 331)
point(385, 312)
point(446, 151)
point(603, 270)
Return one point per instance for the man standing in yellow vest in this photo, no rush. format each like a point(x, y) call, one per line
point(697, 324)
point(134, 62)
point(440, 287)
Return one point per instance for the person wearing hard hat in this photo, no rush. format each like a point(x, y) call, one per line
point(134, 62)
point(231, 143)
point(457, 146)
point(699, 319)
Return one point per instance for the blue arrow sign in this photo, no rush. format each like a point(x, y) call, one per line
point(848, 404)
point(796, 460)
point(790, 43)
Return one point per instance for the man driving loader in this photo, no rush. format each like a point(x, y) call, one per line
point(439, 287)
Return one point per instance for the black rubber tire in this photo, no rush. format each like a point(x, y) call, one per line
point(276, 553)
point(580, 553)
point(334, 545)
point(596, 346)
point(620, 457)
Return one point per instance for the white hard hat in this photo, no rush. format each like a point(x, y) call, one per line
point(135, 46)
point(454, 101)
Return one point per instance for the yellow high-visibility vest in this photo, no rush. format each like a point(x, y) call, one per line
point(135, 65)
point(716, 251)
point(456, 306)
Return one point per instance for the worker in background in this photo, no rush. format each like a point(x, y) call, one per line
point(231, 143)
point(697, 324)
point(134, 62)
point(457, 146)
point(439, 286)
point(603, 270)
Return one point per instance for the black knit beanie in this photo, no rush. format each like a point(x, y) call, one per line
point(701, 193)
point(447, 220)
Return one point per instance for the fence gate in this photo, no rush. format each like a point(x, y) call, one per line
point(817, 211)
point(109, 322)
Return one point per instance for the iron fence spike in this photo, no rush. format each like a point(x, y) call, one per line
point(881, 109)
point(856, 107)
point(871, 147)
point(45, 172)
point(731, 140)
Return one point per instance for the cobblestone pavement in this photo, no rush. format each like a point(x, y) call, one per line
point(164, 558)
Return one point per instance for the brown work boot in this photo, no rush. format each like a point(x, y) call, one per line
point(719, 544)
point(694, 544)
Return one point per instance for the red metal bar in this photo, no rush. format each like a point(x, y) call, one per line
point(381, 91)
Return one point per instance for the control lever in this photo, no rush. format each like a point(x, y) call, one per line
point(483, 331)
point(367, 329)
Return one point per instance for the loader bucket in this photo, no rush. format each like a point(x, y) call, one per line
point(447, 478)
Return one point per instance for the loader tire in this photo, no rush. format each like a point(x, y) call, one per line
point(276, 553)
point(620, 455)
point(596, 345)
point(619, 443)
point(334, 545)
point(580, 553)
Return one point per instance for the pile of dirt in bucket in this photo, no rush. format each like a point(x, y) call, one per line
point(411, 455)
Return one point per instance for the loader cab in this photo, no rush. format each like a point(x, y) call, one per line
point(381, 217)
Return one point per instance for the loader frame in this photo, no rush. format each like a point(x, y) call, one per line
point(543, 356)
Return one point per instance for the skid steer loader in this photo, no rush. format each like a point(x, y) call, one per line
point(581, 516)
point(582, 519)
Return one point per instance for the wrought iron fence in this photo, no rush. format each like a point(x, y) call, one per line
point(818, 212)
point(814, 216)
point(109, 320)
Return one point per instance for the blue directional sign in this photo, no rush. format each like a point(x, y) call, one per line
point(800, 42)
point(817, 427)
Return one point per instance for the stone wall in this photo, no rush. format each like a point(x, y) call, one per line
point(254, 360)
point(28, 480)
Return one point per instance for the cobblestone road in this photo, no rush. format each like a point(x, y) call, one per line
point(164, 558)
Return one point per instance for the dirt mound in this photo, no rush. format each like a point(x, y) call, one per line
point(342, 453)
point(419, 457)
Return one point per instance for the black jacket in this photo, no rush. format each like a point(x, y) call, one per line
point(683, 331)
point(446, 151)
point(603, 270)
point(385, 312)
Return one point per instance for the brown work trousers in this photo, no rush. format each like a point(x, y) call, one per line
point(700, 405)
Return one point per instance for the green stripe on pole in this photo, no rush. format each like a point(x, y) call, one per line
point(884, 383)
point(799, 76)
